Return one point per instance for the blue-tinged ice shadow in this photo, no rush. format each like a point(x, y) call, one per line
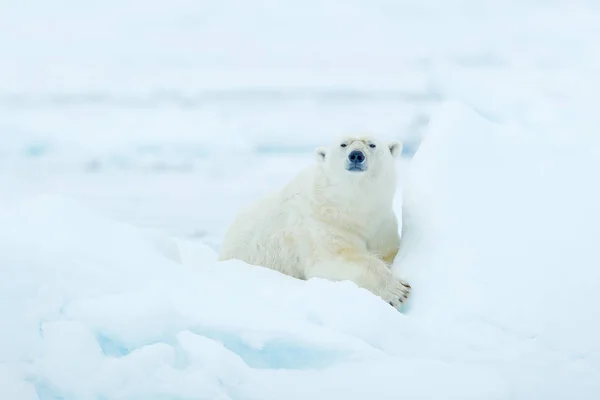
point(278, 353)
point(36, 150)
point(46, 392)
point(112, 347)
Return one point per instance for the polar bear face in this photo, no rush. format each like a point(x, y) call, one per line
point(355, 157)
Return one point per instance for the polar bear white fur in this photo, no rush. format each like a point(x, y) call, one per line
point(334, 220)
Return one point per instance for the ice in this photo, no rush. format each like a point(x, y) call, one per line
point(170, 84)
point(491, 227)
point(512, 199)
point(13, 384)
point(93, 310)
point(131, 132)
point(503, 282)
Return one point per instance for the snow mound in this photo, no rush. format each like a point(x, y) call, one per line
point(97, 309)
point(498, 247)
point(500, 237)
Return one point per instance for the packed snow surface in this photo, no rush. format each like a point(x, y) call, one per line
point(132, 131)
point(505, 283)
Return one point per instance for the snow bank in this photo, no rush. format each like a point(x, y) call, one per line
point(96, 309)
point(500, 241)
point(499, 232)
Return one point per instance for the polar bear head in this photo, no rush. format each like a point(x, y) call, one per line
point(356, 173)
point(356, 157)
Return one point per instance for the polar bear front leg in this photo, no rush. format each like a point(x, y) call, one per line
point(368, 272)
point(386, 240)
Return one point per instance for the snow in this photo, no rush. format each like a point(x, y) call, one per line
point(503, 278)
point(131, 132)
point(504, 226)
point(93, 310)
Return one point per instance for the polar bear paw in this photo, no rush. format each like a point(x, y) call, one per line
point(396, 292)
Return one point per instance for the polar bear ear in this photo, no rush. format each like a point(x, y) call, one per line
point(395, 148)
point(320, 153)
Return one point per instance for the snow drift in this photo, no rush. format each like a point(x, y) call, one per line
point(499, 232)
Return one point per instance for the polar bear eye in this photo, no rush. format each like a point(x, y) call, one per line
point(372, 146)
point(343, 144)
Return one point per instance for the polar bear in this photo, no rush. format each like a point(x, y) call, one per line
point(334, 220)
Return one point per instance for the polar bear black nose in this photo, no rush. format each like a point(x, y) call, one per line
point(356, 157)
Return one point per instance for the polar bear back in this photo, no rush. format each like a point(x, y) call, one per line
point(273, 231)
